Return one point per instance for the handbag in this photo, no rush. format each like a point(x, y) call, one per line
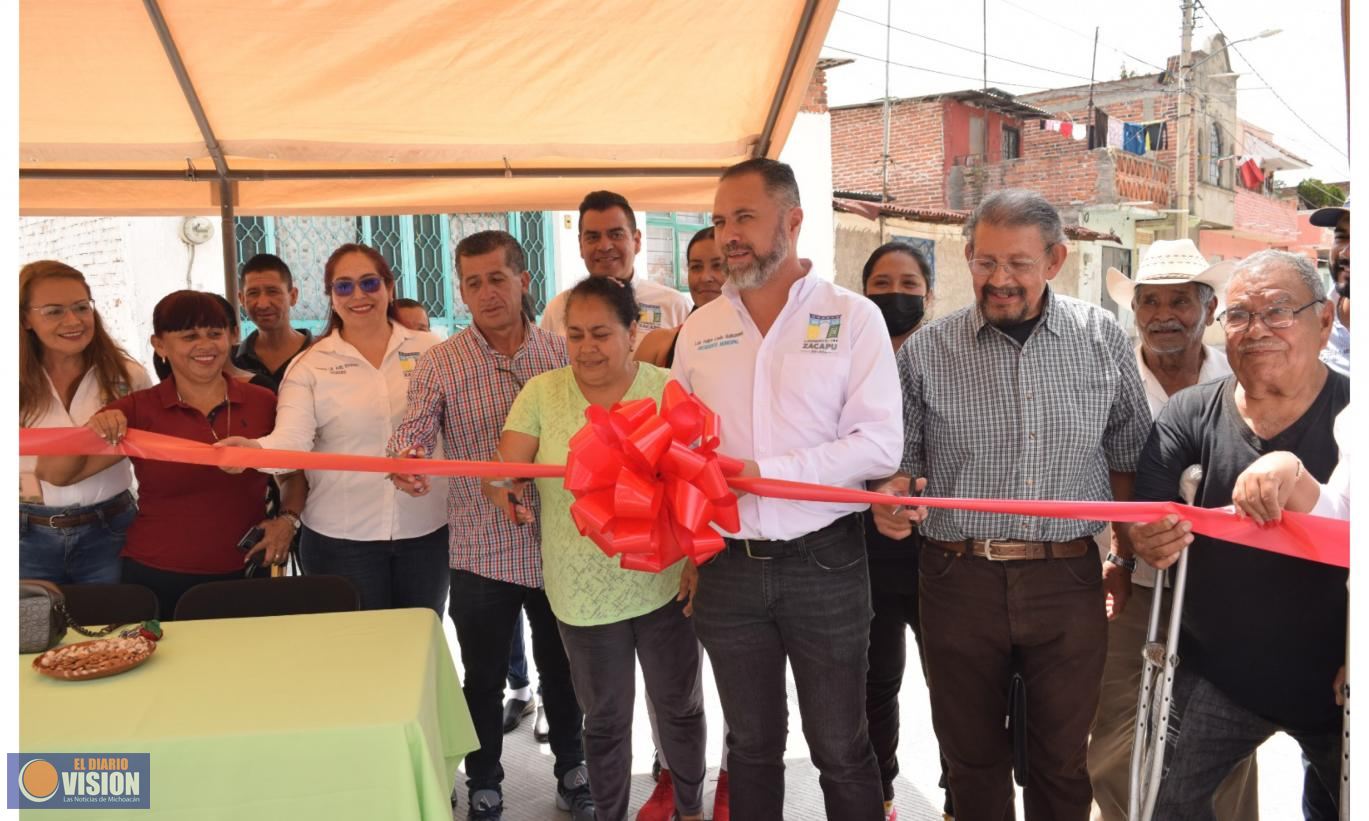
point(43, 617)
point(41, 624)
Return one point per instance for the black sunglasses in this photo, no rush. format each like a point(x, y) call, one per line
point(345, 287)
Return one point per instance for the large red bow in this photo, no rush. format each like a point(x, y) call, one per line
point(648, 486)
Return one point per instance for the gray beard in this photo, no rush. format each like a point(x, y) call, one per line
point(761, 269)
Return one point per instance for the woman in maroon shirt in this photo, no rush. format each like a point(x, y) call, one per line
point(191, 517)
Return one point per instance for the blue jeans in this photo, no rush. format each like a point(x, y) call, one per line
point(85, 554)
point(399, 573)
point(518, 657)
point(811, 605)
point(1209, 735)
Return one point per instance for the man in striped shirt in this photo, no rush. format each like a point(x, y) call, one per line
point(464, 388)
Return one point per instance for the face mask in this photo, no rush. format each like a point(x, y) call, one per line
point(901, 312)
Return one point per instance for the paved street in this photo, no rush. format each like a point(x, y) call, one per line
point(528, 788)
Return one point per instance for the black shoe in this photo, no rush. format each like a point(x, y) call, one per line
point(514, 710)
point(541, 733)
point(573, 796)
point(486, 805)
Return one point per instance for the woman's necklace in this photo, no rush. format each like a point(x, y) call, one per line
point(228, 422)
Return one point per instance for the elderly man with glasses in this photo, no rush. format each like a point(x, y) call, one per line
point(1263, 635)
point(1026, 394)
point(464, 388)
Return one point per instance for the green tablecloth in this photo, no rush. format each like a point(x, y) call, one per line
point(331, 716)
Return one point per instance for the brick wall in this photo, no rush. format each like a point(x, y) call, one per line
point(815, 96)
point(1257, 212)
point(916, 151)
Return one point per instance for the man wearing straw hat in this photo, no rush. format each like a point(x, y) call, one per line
point(1174, 298)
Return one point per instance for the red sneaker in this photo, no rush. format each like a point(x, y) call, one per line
point(661, 805)
point(722, 810)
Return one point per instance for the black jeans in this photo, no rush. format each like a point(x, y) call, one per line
point(809, 606)
point(485, 611)
point(895, 612)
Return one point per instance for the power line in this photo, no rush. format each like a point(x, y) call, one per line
point(929, 70)
point(1082, 34)
point(960, 47)
point(1231, 45)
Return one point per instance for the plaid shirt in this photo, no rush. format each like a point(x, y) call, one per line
point(985, 418)
point(466, 387)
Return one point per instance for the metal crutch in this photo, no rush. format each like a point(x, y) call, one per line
point(1157, 681)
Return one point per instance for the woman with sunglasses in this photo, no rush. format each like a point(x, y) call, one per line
point(609, 617)
point(69, 368)
point(191, 519)
point(346, 394)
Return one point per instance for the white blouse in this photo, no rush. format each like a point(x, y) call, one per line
point(88, 401)
point(333, 400)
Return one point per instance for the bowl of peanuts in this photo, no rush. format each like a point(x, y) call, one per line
point(94, 659)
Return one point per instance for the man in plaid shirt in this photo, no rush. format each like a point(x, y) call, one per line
point(464, 388)
point(1026, 394)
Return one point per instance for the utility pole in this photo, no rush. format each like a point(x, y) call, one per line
point(1093, 70)
point(1183, 151)
point(986, 45)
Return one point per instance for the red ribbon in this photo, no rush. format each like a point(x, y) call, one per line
point(649, 486)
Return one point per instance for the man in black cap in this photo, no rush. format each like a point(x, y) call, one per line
point(1337, 352)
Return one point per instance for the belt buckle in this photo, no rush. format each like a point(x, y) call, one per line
point(751, 555)
point(988, 551)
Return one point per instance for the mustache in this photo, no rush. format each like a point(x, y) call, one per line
point(994, 290)
point(1260, 346)
point(1168, 325)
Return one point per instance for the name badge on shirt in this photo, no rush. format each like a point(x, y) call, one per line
point(649, 316)
point(720, 341)
point(408, 361)
point(824, 333)
point(30, 489)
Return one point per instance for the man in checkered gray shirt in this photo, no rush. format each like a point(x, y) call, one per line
point(1025, 395)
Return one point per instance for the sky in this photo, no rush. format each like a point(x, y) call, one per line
point(1303, 64)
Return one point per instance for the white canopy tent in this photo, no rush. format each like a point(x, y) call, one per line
point(294, 107)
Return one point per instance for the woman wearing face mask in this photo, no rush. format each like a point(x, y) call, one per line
point(69, 368)
point(345, 394)
point(609, 617)
point(898, 279)
point(706, 279)
point(190, 517)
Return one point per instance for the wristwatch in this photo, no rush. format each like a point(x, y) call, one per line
point(1128, 564)
point(293, 518)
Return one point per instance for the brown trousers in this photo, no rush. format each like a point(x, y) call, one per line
point(981, 620)
point(1115, 724)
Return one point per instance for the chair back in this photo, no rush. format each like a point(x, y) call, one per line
point(96, 605)
point(286, 596)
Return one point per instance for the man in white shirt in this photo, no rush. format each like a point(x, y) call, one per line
point(1336, 354)
point(1174, 298)
point(803, 378)
point(609, 243)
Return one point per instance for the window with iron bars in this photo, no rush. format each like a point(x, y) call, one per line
point(667, 240)
point(420, 249)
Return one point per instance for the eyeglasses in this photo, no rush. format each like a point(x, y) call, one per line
point(981, 267)
point(81, 310)
point(1280, 316)
point(345, 287)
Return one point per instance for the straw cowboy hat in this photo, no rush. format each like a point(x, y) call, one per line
point(1169, 262)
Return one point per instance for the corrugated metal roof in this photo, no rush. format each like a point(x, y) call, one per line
point(939, 216)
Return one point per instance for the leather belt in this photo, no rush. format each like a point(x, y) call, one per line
point(1011, 550)
point(106, 510)
point(764, 549)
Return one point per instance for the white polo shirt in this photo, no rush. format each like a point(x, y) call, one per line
point(333, 401)
point(817, 399)
point(658, 306)
point(1333, 501)
point(87, 401)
